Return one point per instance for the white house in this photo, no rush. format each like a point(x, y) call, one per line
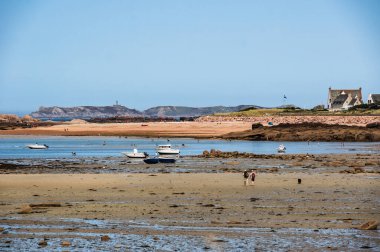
point(343, 99)
point(373, 98)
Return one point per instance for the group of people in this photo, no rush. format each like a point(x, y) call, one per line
point(249, 177)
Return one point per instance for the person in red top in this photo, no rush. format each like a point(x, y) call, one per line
point(249, 177)
point(252, 177)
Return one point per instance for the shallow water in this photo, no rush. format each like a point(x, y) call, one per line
point(142, 236)
point(62, 147)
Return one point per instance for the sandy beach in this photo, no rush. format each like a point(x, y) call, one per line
point(337, 194)
point(200, 203)
point(152, 129)
point(275, 201)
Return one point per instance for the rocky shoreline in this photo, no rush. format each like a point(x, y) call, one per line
point(309, 132)
point(358, 120)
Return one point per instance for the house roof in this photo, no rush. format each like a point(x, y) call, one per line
point(339, 101)
point(352, 102)
point(333, 93)
point(375, 98)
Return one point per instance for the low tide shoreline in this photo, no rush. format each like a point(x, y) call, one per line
point(314, 163)
point(220, 130)
point(72, 204)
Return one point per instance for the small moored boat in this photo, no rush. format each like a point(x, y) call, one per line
point(135, 154)
point(166, 160)
point(281, 148)
point(37, 146)
point(166, 149)
point(156, 160)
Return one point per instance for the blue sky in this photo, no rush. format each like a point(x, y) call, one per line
point(190, 53)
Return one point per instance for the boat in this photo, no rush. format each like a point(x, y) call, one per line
point(156, 160)
point(153, 160)
point(166, 149)
point(166, 160)
point(37, 146)
point(135, 154)
point(281, 148)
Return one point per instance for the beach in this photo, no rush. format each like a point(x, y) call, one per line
point(275, 201)
point(203, 197)
point(151, 129)
point(301, 128)
point(299, 201)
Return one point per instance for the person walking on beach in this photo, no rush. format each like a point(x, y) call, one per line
point(251, 178)
point(246, 175)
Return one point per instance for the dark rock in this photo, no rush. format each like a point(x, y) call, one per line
point(208, 205)
point(43, 243)
point(105, 238)
point(46, 205)
point(358, 170)
point(373, 125)
point(257, 125)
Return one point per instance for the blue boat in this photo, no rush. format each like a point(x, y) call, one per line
point(157, 160)
point(166, 160)
point(151, 160)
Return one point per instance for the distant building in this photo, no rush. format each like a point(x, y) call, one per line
point(343, 99)
point(373, 99)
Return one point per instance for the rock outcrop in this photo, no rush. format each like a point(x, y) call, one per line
point(308, 132)
point(351, 120)
point(9, 118)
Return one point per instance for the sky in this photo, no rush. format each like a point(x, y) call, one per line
point(185, 53)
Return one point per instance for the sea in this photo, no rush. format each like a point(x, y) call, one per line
point(94, 146)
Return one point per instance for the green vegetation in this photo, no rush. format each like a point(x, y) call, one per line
point(297, 111)
point(253, 112)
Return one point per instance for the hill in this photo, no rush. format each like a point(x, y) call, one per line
point(89, 112)
point(181, 111)
point(85, 112)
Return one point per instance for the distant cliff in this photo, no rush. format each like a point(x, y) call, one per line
point(180, 111)
point(87, 112)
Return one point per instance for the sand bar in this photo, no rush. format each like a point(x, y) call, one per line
point(154, 129)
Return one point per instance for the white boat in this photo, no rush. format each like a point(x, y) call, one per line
point(281, 148)
point(37, 146)
point(135, 154)
point(166, 149)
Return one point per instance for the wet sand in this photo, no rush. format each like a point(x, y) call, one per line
point(152, 207)
point(275, 201)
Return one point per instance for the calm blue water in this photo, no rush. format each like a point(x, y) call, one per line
point(61, 147)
